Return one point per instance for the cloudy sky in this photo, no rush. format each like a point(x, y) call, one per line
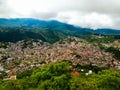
point(84, 13)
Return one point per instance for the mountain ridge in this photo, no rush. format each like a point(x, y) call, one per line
point(13, 30)
point(15, 22)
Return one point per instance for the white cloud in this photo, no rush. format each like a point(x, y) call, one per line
point(91, 20)
point(84, 13)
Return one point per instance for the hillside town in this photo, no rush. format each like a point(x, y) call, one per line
point(31, 54)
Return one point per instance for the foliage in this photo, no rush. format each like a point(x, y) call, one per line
point(25, 74)
point(115, 51)
point(56, 76)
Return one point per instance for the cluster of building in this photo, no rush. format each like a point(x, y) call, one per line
point(30, 54)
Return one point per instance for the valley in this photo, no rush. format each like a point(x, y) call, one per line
point(54, 56)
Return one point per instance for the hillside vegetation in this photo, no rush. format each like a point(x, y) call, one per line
point(56, 76)
point(13, 30)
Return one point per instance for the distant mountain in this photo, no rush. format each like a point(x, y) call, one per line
point(35, 23)
point(18, 22)
point(106, 31)
point(51, 25)
point(51, 31)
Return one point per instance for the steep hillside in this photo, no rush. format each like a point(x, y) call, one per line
point(29, 54)
point(13, 30)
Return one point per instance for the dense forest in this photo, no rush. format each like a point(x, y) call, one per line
point(14, 34)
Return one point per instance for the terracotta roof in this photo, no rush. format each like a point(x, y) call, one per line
point(75, 73)
point(13, 77)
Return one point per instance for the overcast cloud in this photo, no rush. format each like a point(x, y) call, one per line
point(84, 13)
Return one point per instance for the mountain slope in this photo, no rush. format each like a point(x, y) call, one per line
point(51, 25)
point(13, 30)
point(50, 31)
